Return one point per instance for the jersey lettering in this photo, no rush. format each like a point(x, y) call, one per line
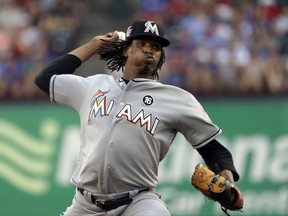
point(154, 126)
point(140, 117)
point(100, 107)
point(126, 111)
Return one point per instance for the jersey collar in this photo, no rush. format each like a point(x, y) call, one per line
point(123, 84)
point(143, 80)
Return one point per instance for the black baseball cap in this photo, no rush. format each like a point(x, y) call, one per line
point(147, 28)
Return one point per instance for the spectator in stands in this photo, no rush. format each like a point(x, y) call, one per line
point(32, 33)
point(239, 46)
point(218, 47)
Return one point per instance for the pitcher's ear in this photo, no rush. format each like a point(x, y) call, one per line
point(125, 50)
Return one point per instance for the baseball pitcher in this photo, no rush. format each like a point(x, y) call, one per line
point(129, 123)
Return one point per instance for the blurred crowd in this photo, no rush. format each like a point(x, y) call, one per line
point(224, 47)
point(32, 32)
point(219, 47)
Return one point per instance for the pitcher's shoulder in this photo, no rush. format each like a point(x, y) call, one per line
point(176, 89)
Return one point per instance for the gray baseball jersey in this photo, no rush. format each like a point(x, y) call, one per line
point(127, 129)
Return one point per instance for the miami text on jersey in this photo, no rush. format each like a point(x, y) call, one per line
point(100, 107)
point(126, 111)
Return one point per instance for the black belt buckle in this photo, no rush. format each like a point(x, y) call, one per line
point(108, 205)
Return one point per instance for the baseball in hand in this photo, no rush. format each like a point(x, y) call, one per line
point(121, 35)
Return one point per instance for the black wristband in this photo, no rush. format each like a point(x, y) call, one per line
point(65, 64)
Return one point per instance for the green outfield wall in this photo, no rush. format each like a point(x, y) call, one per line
point(39, 144)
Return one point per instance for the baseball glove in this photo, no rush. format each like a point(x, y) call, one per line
point(217, 188)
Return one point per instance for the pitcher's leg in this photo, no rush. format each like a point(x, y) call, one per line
point(147, 204)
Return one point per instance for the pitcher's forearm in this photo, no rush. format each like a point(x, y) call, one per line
point(89, 49)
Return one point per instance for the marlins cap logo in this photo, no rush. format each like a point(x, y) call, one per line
point(151, 26)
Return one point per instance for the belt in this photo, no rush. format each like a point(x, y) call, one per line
point(110, 204)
